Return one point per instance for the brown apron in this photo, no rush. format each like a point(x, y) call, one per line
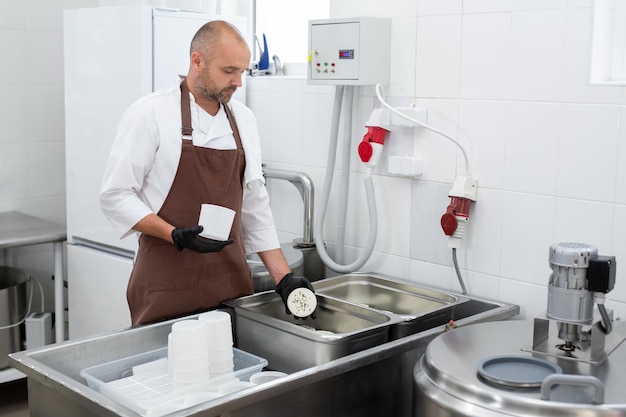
point(166, 283)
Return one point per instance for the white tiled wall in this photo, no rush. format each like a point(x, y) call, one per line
point(32, 126)
point(32, 170)
point(508, 79)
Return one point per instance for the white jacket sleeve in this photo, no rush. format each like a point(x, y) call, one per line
point(257, 222)
point(132, 156)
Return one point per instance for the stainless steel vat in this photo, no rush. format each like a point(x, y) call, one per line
point(448, 382)
point(377, 381)
point(263, 328)
point(13, 308)
point(418, 308)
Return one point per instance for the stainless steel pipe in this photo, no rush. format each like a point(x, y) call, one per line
point(304, 184)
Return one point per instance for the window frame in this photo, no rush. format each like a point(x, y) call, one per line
point(608, 43)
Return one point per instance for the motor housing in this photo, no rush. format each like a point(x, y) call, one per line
point(579, 278)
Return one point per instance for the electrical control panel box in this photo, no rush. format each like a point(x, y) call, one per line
point(349, 51)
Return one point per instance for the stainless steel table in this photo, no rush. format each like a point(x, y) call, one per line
point(19, 229)
point(373, 382)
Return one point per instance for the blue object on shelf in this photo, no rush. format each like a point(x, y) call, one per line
point(264, 62)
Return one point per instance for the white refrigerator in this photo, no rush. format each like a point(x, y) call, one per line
point(112, 57)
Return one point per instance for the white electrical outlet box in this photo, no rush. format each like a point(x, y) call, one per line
point(38, 330)
point(416, 113)
point(349, 51)
point(406, 166)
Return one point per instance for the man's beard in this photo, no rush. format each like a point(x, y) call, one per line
point(206, 89)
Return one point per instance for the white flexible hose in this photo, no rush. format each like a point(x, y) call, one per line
point(379, 94)
point(344, 179)
point(369, 190)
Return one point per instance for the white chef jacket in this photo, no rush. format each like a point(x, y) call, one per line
point(145, 155)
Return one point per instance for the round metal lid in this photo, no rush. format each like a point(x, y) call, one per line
point(516, 370)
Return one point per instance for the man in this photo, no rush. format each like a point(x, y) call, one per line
point(159, 174)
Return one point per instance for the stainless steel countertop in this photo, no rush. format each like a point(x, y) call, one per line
point(54, 374)
point(19, 229)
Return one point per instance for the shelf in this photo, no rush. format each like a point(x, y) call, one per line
point(10, 374)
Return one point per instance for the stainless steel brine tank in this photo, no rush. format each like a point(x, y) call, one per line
point(13, 308)
point(448, 383)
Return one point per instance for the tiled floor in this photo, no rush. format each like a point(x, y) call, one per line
point(14, 398)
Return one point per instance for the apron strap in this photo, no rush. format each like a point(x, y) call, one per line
point(185, 107)
point(233, 126)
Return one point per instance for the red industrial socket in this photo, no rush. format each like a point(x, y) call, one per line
point(458, 207)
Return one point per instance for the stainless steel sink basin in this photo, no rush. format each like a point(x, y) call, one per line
point(418, 307)
point(355, 312)
point(340, 328)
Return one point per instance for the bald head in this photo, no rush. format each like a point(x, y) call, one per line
point(210, 34)
point(218, 60)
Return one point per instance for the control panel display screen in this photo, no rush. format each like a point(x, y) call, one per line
point(346, 54)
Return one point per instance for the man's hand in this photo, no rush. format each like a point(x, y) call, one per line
point(187, 238)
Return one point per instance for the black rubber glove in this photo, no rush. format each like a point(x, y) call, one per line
point(187, 237)
point(290, 283)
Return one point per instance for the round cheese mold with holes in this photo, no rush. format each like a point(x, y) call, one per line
point(302, 302)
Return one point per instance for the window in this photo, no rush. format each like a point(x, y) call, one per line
point(285, 24)
point(608, 48)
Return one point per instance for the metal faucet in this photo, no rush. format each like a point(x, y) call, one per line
point(278, 65)
point(304, 184)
